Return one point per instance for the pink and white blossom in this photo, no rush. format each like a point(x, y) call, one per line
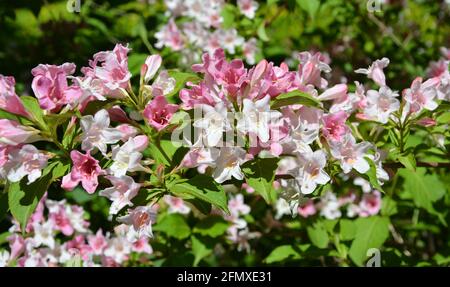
point(124, 189)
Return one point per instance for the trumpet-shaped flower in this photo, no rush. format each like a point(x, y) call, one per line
point(124, 189)
point(85, 169)
point(351, 155)
point(97, 133)
point(228, 164)
point(380, 105)
point(9, 101)
point(159, 112)
point(256, 118)
point(128, 156)
point(140, 219)
point(214, 123)
point(11, 133)
point(375, 71)
point(422, 95)
point(311, 173)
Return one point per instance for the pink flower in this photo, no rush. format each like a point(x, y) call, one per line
point(169, 36)
point(307, 209)
point(375, 71)
point(310, 68)
point(128, 131)
point(124, 189)
point(151, 66)
point(421, 95)
point(26, 161)
point(50, 86)
point(141, 219)
point(9, 101)
point(159, 112)
point(237, 206)
point(248, 7)
point(113, 70)
point(337, 93)
point(97, 242)
point(426, 122)
point(176, 205)
point(351, 154)
point(334, 127)
point(141, 246)
point(16, 244)
point(85, 170)
point(370, 204)
point(196, 95)
point(11, 133)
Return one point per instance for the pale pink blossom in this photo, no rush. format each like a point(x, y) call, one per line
point(97, 242)
point(237, 206)
point(128, 156)
point(351, 154)
point(422, 95)
point(334, 127)
point(150, 67)
point(176, 205)
point(169, 36)
point(380, 105)
point(128, 131)
point(310, 68)
point(85, 169)
point(12, 133)
point(26, 161)
point(228, 164)
point(9, 101)
point(96, 132)
point(248, 7)
point(311, 171)
point(375, 71)
point(370, 204)
point(307, 208)
point(140, 220)
point(124, 189)
point(111, 68)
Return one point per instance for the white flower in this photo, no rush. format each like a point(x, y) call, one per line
point(352, 155)
point(422, 95)
point(118, 249)
point(176, 205)
point(27, 161)
point(282, 207)
point(97, 133)
point(256, 118)
point(248, 7)
point(4, 258)
point(237, 206)
point(230, 40)
point(311, 171)
point(228, 164)
point(140, 220)
point(381, 104)
point(128, 156)
point(330, 209)
point(213, 123)
point(43, 234)
point(123, 190)
point(364, 184)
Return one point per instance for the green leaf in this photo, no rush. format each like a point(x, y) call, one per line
point(347, 229)
point(371, 232)
point(388, 207)
point(408, 161)
point(228, 16)
point(75, 261)
point(261, 31)
point(135, 62)
point(10, 116)
point(202, 187)
point(318, 235)
point(371, 175)
point(32, 106)
point(309, 6)
point(181, 78)
point(295, 98)
point(424, 188)
point(3, 204)
point(260, 174)
point(23, 198)
point(212, 226)
point(173, 225)
point(282, 253)
point(200, 249)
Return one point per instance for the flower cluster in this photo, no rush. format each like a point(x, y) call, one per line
point(58, 234)
point(204, 29)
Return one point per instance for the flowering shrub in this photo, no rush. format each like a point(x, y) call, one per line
point(247, 153)
point(280, 134)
